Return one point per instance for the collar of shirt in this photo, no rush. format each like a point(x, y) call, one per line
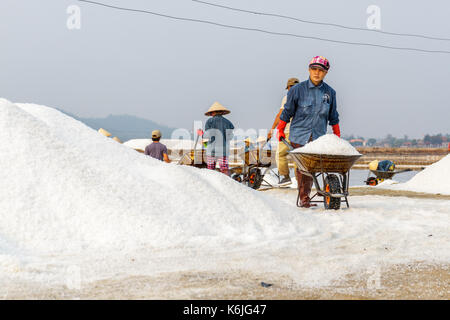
point(311, 85)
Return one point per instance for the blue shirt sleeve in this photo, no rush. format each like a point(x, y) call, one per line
point(208, 126)
point(291, 105)
point(229, 132)
point(333, 116)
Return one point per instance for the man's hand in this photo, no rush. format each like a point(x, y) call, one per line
point(166, 158)
point(281, 127)
point(269, 135)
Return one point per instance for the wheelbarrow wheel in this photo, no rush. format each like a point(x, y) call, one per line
point(372, 181)
point(255, 178)
point(237, 177)
point(332, 185)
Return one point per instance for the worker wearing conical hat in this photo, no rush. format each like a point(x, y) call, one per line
point(219, 132)
point(310, 107)
point(373, 165)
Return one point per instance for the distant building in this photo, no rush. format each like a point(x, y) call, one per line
point(357, 142)
point(420, 143)
point(406, 144)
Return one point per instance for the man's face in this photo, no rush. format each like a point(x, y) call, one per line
point(317, 74)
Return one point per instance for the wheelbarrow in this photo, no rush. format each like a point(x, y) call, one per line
point(195, 158)
point(333, 170)
point(257, 162)
point(381, 175)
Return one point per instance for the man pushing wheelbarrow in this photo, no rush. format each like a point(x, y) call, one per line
point(312, 106)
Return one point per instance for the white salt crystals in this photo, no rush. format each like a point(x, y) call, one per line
point(328, 144)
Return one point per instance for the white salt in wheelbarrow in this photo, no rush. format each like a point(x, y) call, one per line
point(335, 173)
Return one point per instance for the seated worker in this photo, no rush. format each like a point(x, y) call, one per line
point(156, 149)
point(384, 165)
point(219, 131)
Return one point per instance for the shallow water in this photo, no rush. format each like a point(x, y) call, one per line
point(357, 177)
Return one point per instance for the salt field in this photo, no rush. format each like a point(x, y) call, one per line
point(77, 208)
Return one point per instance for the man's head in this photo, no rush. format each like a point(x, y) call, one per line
point(291, 82)
point(318, 69)
point(156, 135)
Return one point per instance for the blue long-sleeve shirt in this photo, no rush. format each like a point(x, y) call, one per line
point(219, 131)
point(311, 109)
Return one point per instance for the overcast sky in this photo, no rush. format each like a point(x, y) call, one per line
point(172, 71)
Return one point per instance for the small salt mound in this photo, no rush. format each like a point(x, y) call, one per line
point(329, 144)
point(434, 179)
point(138, 144)
point(386, 183)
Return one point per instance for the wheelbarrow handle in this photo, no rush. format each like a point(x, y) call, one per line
point(261, 146)
point(404, 170)
point(265, 142)
point(287, 144)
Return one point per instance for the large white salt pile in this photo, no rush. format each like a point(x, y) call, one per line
point(67, 189)
point(328, 144)
point(434, 179)
point(77, 205)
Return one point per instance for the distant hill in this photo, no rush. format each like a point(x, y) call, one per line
point(125, 127)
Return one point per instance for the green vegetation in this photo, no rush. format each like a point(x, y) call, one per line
point(436, 141)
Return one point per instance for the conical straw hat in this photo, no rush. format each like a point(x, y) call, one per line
point(104, 132)
point(217, 107)
point(117, 139)
point(373, 165)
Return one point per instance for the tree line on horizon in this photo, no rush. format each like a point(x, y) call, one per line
point(437, 140)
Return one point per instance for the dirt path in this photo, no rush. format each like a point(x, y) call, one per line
point(395, 193)
point(414, 281)
point(371, 191)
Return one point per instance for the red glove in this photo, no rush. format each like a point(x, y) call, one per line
point(281, 125)
point(336, 130)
